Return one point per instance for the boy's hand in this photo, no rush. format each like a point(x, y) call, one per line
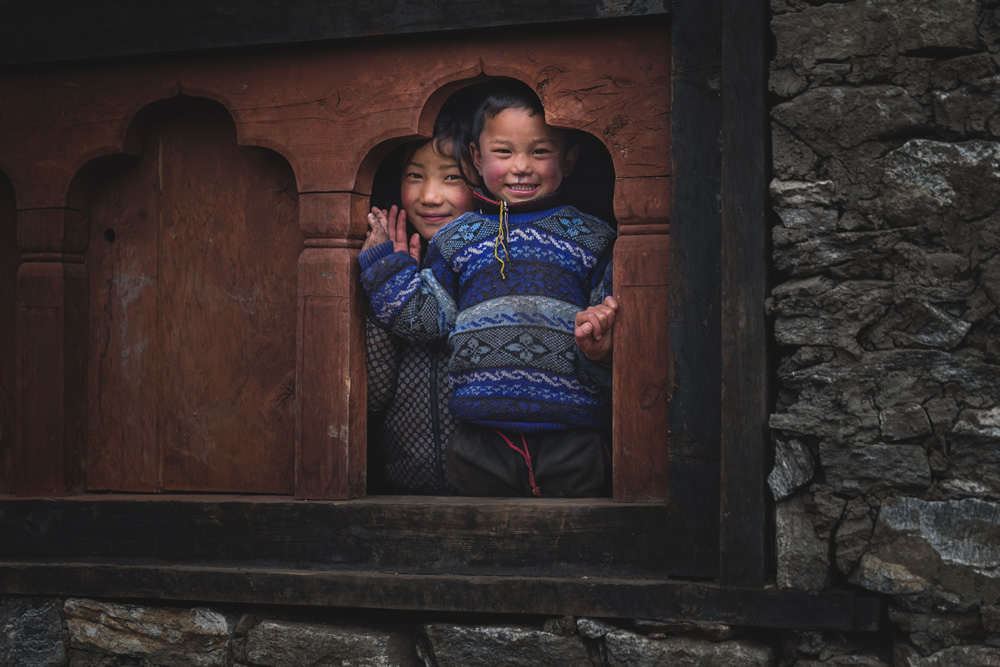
point(378, 230)
point(594, 330)
point(397, 232)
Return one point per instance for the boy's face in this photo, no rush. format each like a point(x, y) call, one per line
point(433, 192)
point(520, 157)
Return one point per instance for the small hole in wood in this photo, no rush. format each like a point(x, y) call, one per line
point(109, 235)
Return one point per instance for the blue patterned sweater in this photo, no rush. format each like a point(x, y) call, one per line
point(514, 363)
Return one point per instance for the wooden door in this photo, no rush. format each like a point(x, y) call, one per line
point(192, 269)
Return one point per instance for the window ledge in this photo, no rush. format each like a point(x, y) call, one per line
point(580, 557)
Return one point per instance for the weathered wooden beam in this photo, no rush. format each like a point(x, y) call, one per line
point(428, 535)
point(60, 30)
point(601, 597)
point(743, 257)
point(694, 410)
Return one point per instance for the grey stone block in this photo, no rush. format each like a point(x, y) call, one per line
point(31, 632)
point(505, 646)
point(627, 648)
point(287, 644)
point(942, 555)
point(163, 636)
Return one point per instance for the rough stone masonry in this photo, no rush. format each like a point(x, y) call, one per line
point(886, 247)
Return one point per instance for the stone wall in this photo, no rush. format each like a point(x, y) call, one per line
point(40, 632)
point(886, 247)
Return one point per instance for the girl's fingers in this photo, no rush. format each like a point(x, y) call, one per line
point(415, 247)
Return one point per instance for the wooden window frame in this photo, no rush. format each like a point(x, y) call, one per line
point(701, 556)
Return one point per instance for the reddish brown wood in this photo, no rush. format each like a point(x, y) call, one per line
point(642, 201)
point(8, 280)
point(641, 387)
point(123, 450)
point(331, 458)
point(194, 298)
point(332, 113)
point(51, 363)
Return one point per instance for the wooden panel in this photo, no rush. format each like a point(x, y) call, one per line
point(8, 280)
point(744, 288)
point(193, 314)
point(124, 355)
point(640, 390)
point(229, 244)
point(105, 28)
point(51, 311)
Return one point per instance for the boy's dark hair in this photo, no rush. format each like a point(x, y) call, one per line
point(506, 94)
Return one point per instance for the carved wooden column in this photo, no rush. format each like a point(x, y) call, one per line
point(330, 435)
point(51, 352)
point(641, 374)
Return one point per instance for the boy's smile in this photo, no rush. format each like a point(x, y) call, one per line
point(520, 157)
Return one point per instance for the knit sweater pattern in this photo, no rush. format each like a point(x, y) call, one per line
point(409, 420)
point(514, 363)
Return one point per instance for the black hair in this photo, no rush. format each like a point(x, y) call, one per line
point(511, 94)
point(506, 94)
point(449, 140)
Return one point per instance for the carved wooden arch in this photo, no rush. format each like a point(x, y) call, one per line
point(627, 110)
point(191, 269)
point(382, 143)
point(323, 109)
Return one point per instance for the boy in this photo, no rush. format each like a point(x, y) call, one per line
point(514, 286)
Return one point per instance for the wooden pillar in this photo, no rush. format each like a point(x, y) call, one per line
point(743, 257)
point(51, 353)
point(641, 374)
point(331, 390)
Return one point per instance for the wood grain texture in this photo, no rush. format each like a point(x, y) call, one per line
point(331, 458)
point(51, 366)
point(330, 110)
point(641, 367)
point(695, 409)
point(604, 597)
point(193, 290)
point(412, 534)
point(106, 28)
point(745, 401)
point(9, 258)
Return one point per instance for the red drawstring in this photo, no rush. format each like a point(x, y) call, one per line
point(527, 459)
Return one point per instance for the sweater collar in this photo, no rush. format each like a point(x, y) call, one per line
point(488, 204)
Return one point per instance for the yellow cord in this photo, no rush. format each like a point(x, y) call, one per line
point(503, 230)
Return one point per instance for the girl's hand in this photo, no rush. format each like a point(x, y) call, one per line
point(378, 229)
point(397, 232)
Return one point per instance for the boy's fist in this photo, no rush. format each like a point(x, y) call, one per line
point(594, 329)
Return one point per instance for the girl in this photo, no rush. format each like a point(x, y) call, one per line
point(409, 380)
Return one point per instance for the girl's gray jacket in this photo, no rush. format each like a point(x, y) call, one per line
point(409, 421)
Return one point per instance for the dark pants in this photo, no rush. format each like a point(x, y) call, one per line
point(482, 461)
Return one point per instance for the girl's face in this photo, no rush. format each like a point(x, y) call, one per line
point(521, 157)
point(433, 192)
